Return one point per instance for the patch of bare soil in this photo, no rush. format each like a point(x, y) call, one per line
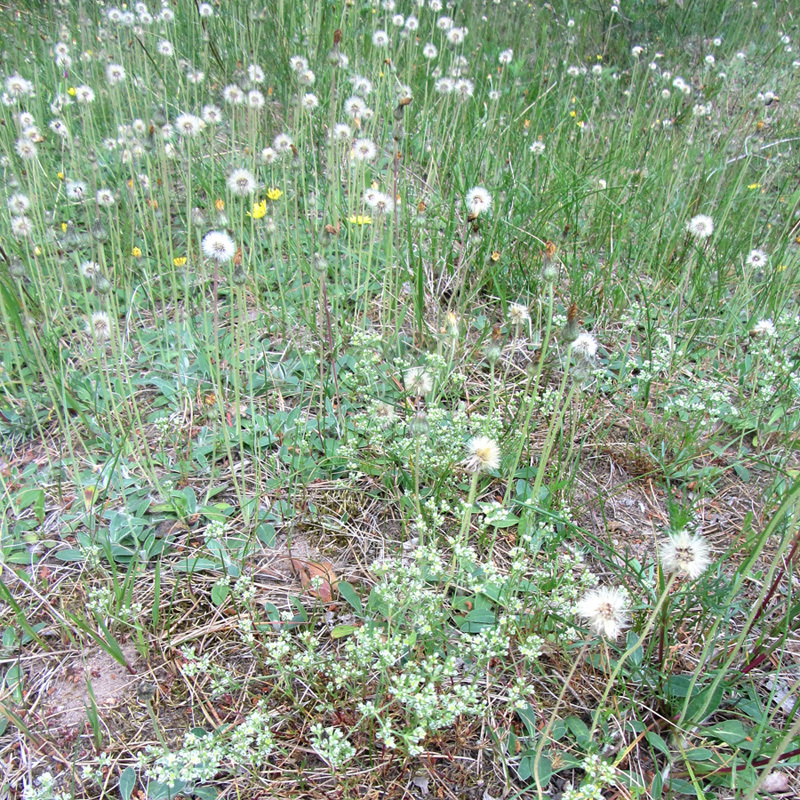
point(67, 695)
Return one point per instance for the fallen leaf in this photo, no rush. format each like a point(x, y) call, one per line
point(317, 578)
point(775, 783)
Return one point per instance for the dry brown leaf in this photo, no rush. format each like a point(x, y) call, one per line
point(323, 572)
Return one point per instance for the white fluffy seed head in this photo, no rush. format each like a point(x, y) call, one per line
point(686, 553)
point(218, 246)
point(606, 611)
point(483, 454)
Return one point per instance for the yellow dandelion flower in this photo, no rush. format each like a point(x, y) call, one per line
point(179, 261)
point(274, 194)
point(219, 204)
point(361, 219)
point(754, 186)
point(64, 227)
point(136, 252)
point(259, 210)
point(72, 91)
point(573, 113)
point(60, 176)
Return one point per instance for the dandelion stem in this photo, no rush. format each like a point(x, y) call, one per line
point(654, 615)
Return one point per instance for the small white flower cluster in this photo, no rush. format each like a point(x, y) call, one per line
point(703, 403)
point(44, 788)
point(598, 775)
point(103, 601)
point(249, 742)
point(331, 745)
point(194, 666)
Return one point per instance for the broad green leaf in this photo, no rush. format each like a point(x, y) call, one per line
point(656, 741)
point(127, 782)
point(219, 593)
point(527, 767)
point(340, 631)
point(70, 555)
point(349, 593)
point(577, 727)
point(731, 732)
point(477, 620)
point(196, 565)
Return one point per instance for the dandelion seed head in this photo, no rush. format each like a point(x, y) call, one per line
point(464, 88)
point(483, 454)
point(218, 246)
point(99, 326)
point(298, 63)
point(341, 133)
point(685, 553)
point(585, 347)
point(255, 73)
point(212, 115)
point(115, 74)
point(241, 182)
point(268, 156)
point(282, 143)
point(309, 101)
point(75, 191)
point(21, 226)
point(90, 269)
point(606, 611)
point(430, 51)
point(105, 197)
point(417, 381)
point(362, 86)
point(354, 107)
point(18, 204)
point(478, 200)
point(444, 85)
point(364, 150)
point(233, 95)
point(255, 99)
point(84, 94)
point(518, 314)
point(17, 86)
point(700, 226)
point(456, 35)
point(188, 125)
point(25, 149)
point(306, 78)
point(757, 259)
